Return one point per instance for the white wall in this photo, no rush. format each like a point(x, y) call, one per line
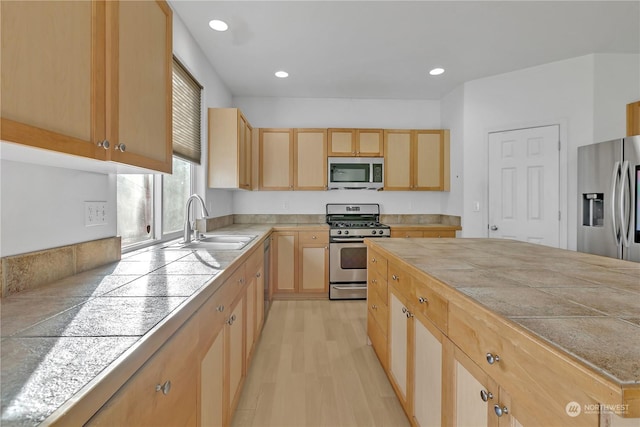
point(453, 119)
point(334, 112)
point(580, 94)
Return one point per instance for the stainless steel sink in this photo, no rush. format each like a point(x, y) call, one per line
point(218, 242)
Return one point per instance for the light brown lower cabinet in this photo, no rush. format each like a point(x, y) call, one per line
point(162, 392)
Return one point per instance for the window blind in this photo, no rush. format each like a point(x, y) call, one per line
point(186, 114)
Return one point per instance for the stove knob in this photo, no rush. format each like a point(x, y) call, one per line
point(380, 232)
point(346, 231)
point(373, 231)
point(339, 231)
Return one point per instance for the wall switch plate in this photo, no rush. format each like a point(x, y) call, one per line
point(95, 213)
point(476, 206)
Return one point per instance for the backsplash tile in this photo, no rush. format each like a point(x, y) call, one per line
point(97, 252)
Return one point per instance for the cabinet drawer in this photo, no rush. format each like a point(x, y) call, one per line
point(378, 340)
point(379, 309)
point(377, 263)
point(398, 277)
point(406, 233)
point(526, 368)
point(378, 284)
point(423, 298)
point(174, 369)
point(253, 262)
point(313, 237)
point(441, 233)
point(213, 314)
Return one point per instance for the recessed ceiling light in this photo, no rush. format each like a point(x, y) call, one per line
point(282, 74)
point(218, 25)
point(436, 71)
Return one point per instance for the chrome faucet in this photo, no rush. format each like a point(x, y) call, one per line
point(188, 227)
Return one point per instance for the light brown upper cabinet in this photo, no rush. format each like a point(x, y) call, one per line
point(633, 118)
point(276, 159)
point(293, 159)
point(355, 142)
point(416, 160)
point(310, 159)
point(229, 149)
point(76, 74)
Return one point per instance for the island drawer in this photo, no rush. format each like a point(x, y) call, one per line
point(379, 308)
point(433, 306)
point(378, 284)
point(378, 339)
point(527, 369)
point(377, 263)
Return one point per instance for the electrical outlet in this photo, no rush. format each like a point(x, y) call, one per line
point(95, 213)
point(285, 205)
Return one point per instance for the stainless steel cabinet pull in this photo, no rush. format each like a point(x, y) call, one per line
point(492, 358)
point(486, 395)
point(258, 274)
point(231, 320)
point(375, 307)
point(394, 277)
point(120, 147)
point(500, 411)
point(220, 308)
point(423, 300)
point(104, 144)
point(373, 260)
point(404, 309)
point(164, 388)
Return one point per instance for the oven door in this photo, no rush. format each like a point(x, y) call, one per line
point(348, 261)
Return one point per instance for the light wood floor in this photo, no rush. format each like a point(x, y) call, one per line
point(313, 367)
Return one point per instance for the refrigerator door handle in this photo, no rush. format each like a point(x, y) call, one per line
point(614, 181)
point(624, 214)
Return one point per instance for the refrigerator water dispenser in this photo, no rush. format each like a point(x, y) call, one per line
point(593, 209)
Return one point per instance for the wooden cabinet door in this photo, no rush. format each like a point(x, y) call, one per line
point(428, 390)
point(51, 96)
point(369, 142)
point(472, 387)
point(250, 319)
point(212, 402)
point(285, 245)
point(398, 336)
point(259, 298)
point(397, 160)
point(139, 86)
point(633, 118)
point(235, 363)
point(276, 159)
point(342, 142)
point(244, 152)
point(428, 160)
point(310, 159)
point(314, 268)
point(163, 392)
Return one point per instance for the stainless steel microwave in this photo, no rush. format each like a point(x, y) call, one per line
point(355, 173)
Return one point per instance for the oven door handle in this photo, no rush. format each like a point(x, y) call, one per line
point(349, 288)
point(345, 240)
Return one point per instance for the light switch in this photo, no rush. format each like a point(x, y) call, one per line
point(476, 206)
point(95, 213)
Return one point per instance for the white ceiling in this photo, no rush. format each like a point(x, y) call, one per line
point(384, 49)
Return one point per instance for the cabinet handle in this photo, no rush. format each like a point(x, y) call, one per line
point(373, 306)
point(164, 388)
point(120, 147)
point(492, 358)
point(220, 308)
point(373, 260)
point(231, 320)
point(374, 281)
point(258, 274)
point(314, 237)
point(240, 281)
point(407, 312)
point(394, 277)
point(500, 411)
point(485, 395)
point(104, 144)
point(423, 300)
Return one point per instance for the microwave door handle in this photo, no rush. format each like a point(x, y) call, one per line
point(614, 181)
point(622, 200)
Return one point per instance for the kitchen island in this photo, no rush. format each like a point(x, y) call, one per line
point(539, 335)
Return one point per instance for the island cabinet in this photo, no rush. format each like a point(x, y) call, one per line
point(92, 79)
point(301, 267)
point(230, 147)
point(416, 160)
point(356, 142)
point(292, 159)
point(378, 305)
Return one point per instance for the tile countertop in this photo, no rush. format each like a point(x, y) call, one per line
point(585, 305)
point(60, 341)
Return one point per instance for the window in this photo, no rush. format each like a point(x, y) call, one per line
point(151, 207)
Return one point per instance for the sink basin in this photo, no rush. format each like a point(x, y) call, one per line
point(219, 242)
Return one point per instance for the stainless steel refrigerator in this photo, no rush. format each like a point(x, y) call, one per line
point(609, 198)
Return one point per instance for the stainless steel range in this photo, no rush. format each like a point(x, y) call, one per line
point(349, 225)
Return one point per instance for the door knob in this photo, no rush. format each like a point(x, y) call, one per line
point(494, 227)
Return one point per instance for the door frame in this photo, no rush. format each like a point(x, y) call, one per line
point(563, 203)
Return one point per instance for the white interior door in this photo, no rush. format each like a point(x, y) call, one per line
point(524, 184)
